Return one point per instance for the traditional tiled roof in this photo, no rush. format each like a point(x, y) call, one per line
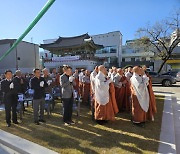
point(71, 42)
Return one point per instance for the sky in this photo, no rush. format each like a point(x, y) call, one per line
point(75, 17)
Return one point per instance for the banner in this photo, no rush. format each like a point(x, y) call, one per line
point(66, 58)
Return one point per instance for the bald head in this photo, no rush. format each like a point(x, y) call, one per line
point(18, 73)
point(45, 72)
point(114, 69)
point(96, 68)
point(120, 71)
point(130, 69)
point(110, 70)
point(76, 71)
point(102, 69)
point(144, 67)
point(136, 69)
point(87, 72)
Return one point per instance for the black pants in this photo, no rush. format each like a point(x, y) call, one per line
point(10, 105)
point(67, 106)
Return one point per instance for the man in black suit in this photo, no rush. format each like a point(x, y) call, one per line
point(39, 84)
point(18, 82)
point(10, 98)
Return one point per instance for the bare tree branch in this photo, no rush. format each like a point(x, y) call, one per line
point(160, 36)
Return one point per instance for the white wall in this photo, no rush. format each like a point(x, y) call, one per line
point(87, 64)
point(110, 39)
point(28, 53)
point(10, 60)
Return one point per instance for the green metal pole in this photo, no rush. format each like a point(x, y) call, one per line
point(34, 22)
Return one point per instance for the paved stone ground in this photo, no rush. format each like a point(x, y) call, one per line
point(2, 107)
point(170, 132)
point(174, 90)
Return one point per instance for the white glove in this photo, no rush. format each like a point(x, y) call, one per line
point(11, 86)
point(145, 79)
point(54, 79)
point(75, 94)
point(49, 82)
point(71, 78)
point(42, 84)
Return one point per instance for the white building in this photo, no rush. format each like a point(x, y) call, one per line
point(112, 51)
point(24, 57)
point(174, 36)
point(131, 56)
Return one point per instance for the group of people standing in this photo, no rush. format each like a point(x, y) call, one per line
point(106, 92)
point(117, 90)
point(13, 85)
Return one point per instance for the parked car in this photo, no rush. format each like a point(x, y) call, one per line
point(165, 80)
point(175, 74)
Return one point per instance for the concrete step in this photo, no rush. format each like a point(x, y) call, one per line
point(6, 150)
point(21, 145)
point(167, 136)
point(176, 116)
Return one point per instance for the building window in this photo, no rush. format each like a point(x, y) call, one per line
point(127, 59)
point(113, 49)
point(133, 59)
point(113, 60)
point(123, 60)
point(137, 59)
point(108, 49)
point(143, 58)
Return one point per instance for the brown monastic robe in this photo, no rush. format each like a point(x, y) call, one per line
point(138, 114)
point(76, 86)
point(108, 111)
point(152, 105)
point(86, 89)
point(122, 96)
point(127, 93)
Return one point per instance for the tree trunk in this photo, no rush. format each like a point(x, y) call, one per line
point(161, 66)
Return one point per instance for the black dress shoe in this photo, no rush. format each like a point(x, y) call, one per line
point(100, 122)
point(8, 125)
point(16, 122)
point(36, 122)
point(140, 124)
point(41, 120)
